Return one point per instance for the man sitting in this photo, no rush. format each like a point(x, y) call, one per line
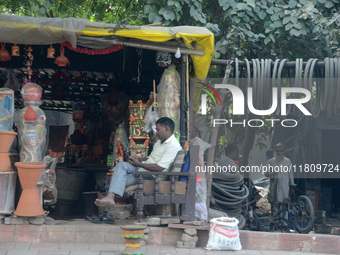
point(161, 158)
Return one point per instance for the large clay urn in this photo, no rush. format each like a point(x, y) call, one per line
point(29, 203)
point(6, 140)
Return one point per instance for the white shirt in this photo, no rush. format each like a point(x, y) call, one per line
point(284, 179)
point(164, 154)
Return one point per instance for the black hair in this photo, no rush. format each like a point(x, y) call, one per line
point(165, 121)
point(230, 148)
point(279, 145)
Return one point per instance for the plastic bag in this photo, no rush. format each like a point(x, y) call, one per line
point(201, 211)
point(224, 234)
point(150, 119)
point(12, 81)
point(168, 96)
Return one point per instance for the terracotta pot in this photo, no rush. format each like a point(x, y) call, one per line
point(6, 140)
point(29, 203)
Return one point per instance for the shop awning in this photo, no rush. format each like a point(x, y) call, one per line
point(198, 41)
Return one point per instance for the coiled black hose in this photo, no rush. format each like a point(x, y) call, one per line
point(228, 195)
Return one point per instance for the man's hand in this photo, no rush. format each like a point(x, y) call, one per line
point(271, 174)
point(133, 160)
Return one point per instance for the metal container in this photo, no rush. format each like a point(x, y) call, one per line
point(7, 192)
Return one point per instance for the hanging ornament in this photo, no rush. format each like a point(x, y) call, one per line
point(28, 56)
point(50, 52)
point(4, 54)
point(15, 50)
point(62, 60)
point(163, 59)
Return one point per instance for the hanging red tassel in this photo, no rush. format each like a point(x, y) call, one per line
point(92, 51)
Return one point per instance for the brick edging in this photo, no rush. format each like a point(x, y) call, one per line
point(91, 233)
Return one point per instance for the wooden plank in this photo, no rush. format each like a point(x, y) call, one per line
point(184, 226)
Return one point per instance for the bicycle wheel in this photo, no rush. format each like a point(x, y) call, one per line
point(304, 215)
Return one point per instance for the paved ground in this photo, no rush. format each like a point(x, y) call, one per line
point(115, 249)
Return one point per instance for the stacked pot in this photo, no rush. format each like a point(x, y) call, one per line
point(7, 174)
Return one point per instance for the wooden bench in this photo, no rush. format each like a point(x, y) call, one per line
point(169, 192)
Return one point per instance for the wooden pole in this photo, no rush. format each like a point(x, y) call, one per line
point(187, 94)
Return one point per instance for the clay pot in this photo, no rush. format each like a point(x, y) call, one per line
point(29, 203)
point(6, 140)
point(30, 114)
point(4, 54)
point(62, 60)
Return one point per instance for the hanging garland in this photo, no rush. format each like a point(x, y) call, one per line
point(56, 76)
point(92, 51)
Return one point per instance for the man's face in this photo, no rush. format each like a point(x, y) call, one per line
point(279, 152)
point(162, 132)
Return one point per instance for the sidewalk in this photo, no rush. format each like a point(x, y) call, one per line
point(79, 236)
point(115, 249)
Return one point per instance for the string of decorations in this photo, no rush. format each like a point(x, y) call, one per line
point(57, 74)
point(92, 51)
point(28, 61)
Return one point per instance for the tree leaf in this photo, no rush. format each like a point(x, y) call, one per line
point(274, 17)
point(202, 19)
point(267, 40)
point(240, 6)
point(251, 3)
point(262, 15)
point(239, 52)
point(216, 54)
point(222, 2)
point(329, 4)
point(292, 3)
point(294, 32)
point(298, 25)
point(48, 4)
point(294, 20)
point(289, 26)
point(154, 18)
point(285, 20)
point(148, 9)
point(270, 10)
point(193, 11)
point(237, 20)
point(278, 24)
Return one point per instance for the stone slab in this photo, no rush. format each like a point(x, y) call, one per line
point(189, 245)
point(170, 220)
